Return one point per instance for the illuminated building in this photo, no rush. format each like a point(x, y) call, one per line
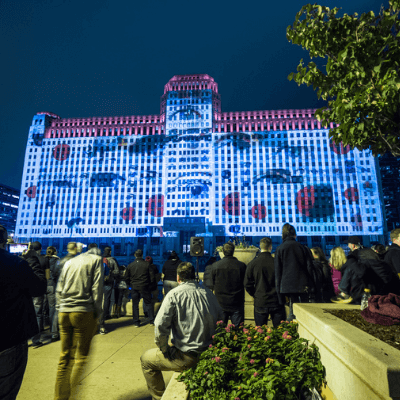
point(9, 198)
point(156, 180)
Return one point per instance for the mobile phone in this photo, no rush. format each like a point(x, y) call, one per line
point(17, 248)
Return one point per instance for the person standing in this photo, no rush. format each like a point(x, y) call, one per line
point(38, 302)
point(111, 272)
point(19, 282)
point(140, 277)
point(325, 290)
point(190, 314)
point(79, 301)
point(154, 285)
point(227, 282)
point(51, 254)
point(259, 282)
point(392, 256)
point(293, 261)
point(169, 271)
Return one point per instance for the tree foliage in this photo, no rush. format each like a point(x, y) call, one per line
point(361, 83)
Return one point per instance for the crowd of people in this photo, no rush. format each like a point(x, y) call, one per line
point(78, 289)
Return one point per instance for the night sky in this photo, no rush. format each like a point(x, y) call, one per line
point(108, 57)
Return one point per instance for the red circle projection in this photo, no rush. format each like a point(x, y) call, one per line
point(259, 212)
point(31, 192)
point(351, 194)
point(306, 200)
point(231, 203)
point(61, 152)
point(155, 205)
point(128, 213)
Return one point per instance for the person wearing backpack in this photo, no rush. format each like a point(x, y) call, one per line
point(51, 254)
point(111, 272)
point(325, 287)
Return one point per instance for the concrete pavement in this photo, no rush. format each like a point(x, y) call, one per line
point(113, 371)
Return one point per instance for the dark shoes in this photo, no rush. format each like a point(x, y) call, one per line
point(346, 299)
point(55, 339)
point(37, 345)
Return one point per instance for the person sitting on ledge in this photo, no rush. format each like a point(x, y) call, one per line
point(190, 313)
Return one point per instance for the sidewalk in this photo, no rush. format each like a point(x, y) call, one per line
point(113, 371)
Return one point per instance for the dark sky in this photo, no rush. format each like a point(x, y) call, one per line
point(108, 57)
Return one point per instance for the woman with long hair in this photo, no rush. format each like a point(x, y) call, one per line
point(320, 262)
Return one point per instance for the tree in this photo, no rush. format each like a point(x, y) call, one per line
point(361, 82)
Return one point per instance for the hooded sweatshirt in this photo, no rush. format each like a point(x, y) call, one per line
point(169, 269)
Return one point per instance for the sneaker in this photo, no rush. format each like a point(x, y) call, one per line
point(103, 331)
point(345, 299)
point(137, 325)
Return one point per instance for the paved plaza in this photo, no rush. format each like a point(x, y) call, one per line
point(113, 371)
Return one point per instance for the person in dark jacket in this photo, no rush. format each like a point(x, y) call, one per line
point(140, 278)
point(259, 282)
point(292, 265)
point(364, 269)
point(51, 254)
point(392, 256)
point(326, 290)
point(169, 270)
point(227, 281)
point(39, 301)
point(207, 278)
point(20, 280)
point(111, 264)
point(153, 286)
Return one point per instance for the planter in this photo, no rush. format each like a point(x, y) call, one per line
point(245, 256)
point(358, 366)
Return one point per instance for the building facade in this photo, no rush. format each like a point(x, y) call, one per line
point(9, 199)
point(154, 181)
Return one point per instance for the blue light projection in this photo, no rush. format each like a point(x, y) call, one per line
point(191, 177)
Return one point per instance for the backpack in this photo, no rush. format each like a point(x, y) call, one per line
point(106, 270)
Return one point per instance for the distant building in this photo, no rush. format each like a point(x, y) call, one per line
point(153, 181)
point(9, 199)
point(390, 176)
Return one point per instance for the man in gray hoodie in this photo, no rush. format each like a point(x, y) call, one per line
point(79, 302)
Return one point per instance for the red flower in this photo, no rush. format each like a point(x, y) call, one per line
point(217, 359)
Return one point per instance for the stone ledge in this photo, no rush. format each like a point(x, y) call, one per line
point(175, 390)
point(358, 365)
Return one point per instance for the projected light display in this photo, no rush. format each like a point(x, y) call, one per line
point(194, 168)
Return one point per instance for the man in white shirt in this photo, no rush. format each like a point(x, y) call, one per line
point(186, 305)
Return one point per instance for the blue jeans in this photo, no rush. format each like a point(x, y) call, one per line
point(12, 368)
point(53, 313)
point(107, 290)
point(147, 303)
point(38, 304)
point(168, 285)
point(261, 315)
point(236, 317)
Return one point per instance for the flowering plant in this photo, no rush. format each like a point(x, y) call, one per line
point(246, 362)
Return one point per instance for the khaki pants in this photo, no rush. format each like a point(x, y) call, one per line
point(153, 362)
point(76, 331)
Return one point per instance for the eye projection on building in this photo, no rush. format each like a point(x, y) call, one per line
point(193, 170)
